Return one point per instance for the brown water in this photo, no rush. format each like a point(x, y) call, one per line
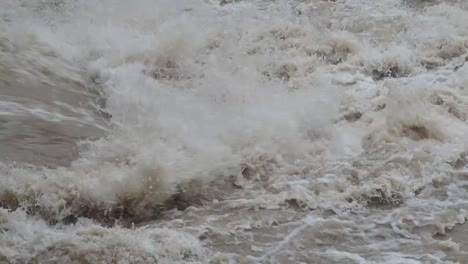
point(46, 122)
point(233, 131)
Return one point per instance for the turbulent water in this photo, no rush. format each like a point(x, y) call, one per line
point(233, 131)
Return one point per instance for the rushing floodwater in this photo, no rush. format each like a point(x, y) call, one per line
point(233, 131)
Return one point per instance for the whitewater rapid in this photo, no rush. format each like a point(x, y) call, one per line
point(233, 131)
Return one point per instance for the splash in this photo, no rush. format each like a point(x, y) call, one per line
point(234, 131)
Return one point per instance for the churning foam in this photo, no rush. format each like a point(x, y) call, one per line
point(283, 131)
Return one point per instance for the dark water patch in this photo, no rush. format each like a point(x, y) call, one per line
point(379, 198)
point(421, 4)
point(126, 212)
point(391, 72)
point(460, 162)
point(419, 132)
point(450, 103)
point(352, 116)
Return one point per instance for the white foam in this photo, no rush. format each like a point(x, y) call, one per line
point(302, 106)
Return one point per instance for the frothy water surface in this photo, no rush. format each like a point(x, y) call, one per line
point(255, 131)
